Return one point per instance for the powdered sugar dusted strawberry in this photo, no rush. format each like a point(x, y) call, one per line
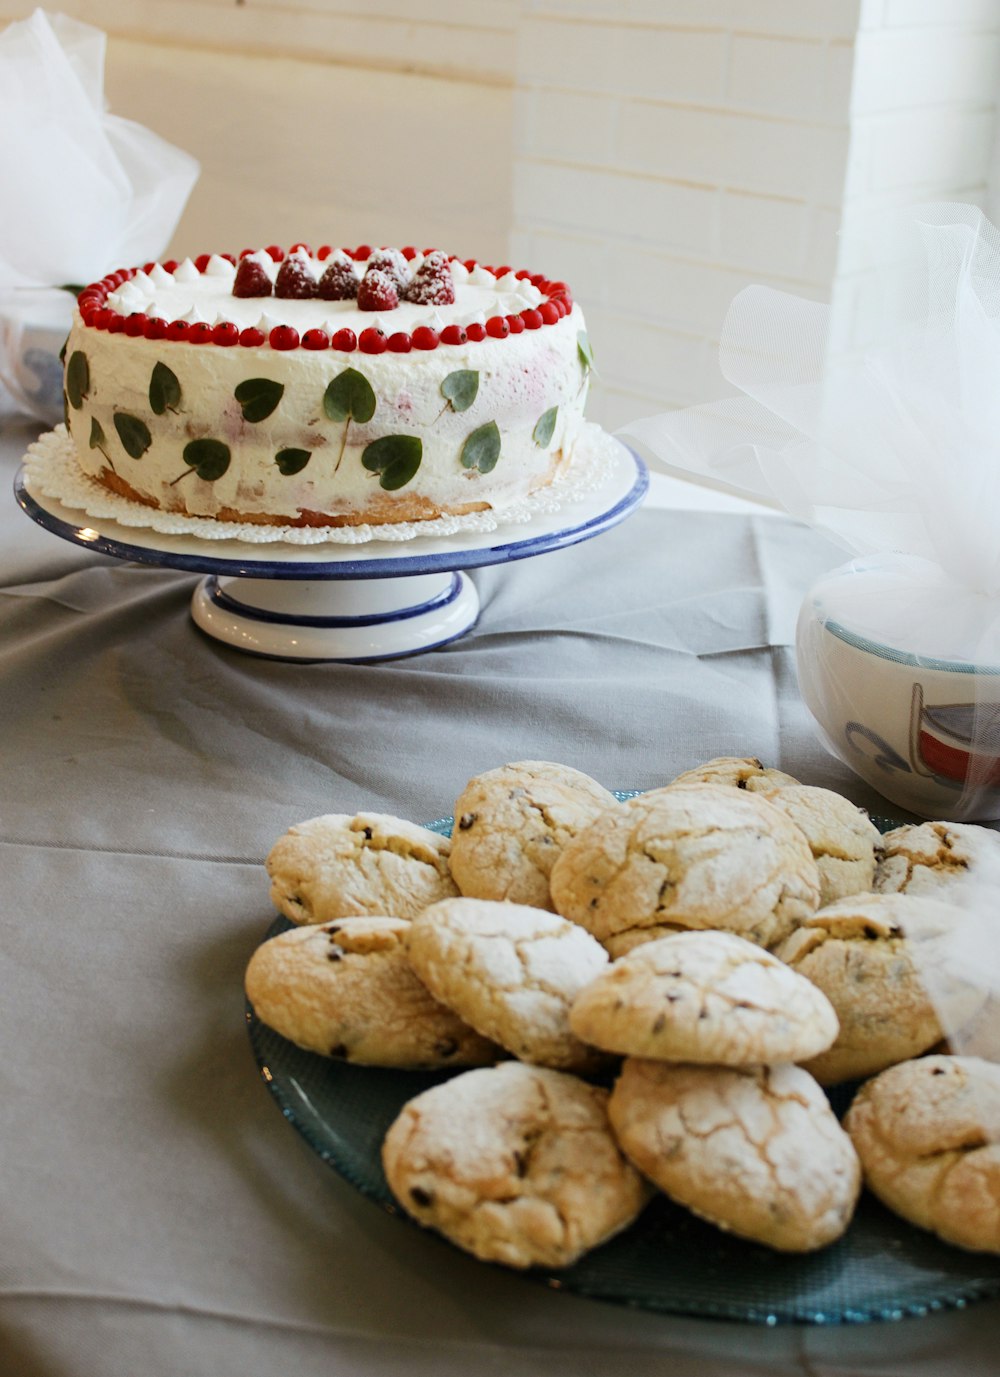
point(377, 292)
point(394, 265)
point(295, 279)
point(339, 281)
point(432, 283)
point(251, 279)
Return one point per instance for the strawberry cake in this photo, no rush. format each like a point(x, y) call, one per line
point(335, 388)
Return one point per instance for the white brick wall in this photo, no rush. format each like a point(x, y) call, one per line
point(468, 39)
point(667, 153)
point(816, 19)
point(657, 154)
point(923, 128)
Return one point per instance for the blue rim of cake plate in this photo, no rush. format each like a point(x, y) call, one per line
point(491, 551)
point(225, 603)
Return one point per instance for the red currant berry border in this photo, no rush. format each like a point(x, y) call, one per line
point(97, 315)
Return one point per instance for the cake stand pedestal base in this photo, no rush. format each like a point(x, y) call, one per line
point(349, 619)
point(376, 600)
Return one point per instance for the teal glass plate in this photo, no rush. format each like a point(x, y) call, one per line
point(667, 1261)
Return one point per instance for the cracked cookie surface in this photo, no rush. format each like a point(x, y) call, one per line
point(704, 997)
point(737, 772)
point(928, 1135)
point(758, 1151)
point(923, 858)
point(517, 1164)
point(874, 956)
point(511, 823)
point(511, 972)
point(346, 989)
point(842, 838)
point(689, 857)
point(339, 866)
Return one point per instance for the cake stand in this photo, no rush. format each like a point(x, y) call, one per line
point(328, 602)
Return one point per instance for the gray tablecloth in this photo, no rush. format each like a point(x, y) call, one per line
point(159, 1217)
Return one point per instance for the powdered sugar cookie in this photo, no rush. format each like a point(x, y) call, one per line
point(842, 838)
point(516, 1164)
point(691, 856)
point(704, 997)
point(872, 956)
point(928, 1135)
point(509, 971)
point(511, 824)
point(621, 943)
point(346, 989)
point(928, 857)
point(338, 866)
point(757, 1151)
point(737, 772)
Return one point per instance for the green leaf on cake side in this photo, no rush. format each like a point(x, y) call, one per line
point(460, 388)
point(545, 427)
point(395, 458)
point(62, 351)
point(585, 351)
point(349, 397)
point(133, 433)
point(164, 389)
point(209, 459)
point(291, 461)
point(98, 439)
point(482, 448)
point(66, 410)
point(77, 379)
point(258, 397)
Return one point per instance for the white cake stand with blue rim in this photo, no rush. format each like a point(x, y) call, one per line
point(330, 602)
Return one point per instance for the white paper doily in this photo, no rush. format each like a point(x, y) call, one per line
point(51, 468)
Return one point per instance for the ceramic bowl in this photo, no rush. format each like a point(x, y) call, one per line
point(923, 730)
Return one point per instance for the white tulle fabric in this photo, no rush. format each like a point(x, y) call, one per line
point(893, 450)
point(84, 192)
point(894, 447)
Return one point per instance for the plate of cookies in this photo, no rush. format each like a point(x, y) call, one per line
point(679, 1050)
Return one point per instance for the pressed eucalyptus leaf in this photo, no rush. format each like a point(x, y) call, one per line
point(258, 397)
point(291, 461)
point(545, 427)
point(208, 458)
point(349, 397)
point(62, 351)
point(77, 379)
point(395, 458)
point(460, 388)
point(98, 439)
point(482, 448)
point(164, 389)
point(584, 350)
point(133, 433)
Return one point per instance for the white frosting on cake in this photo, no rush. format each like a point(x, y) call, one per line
point(478, 295)
point(520, 379)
